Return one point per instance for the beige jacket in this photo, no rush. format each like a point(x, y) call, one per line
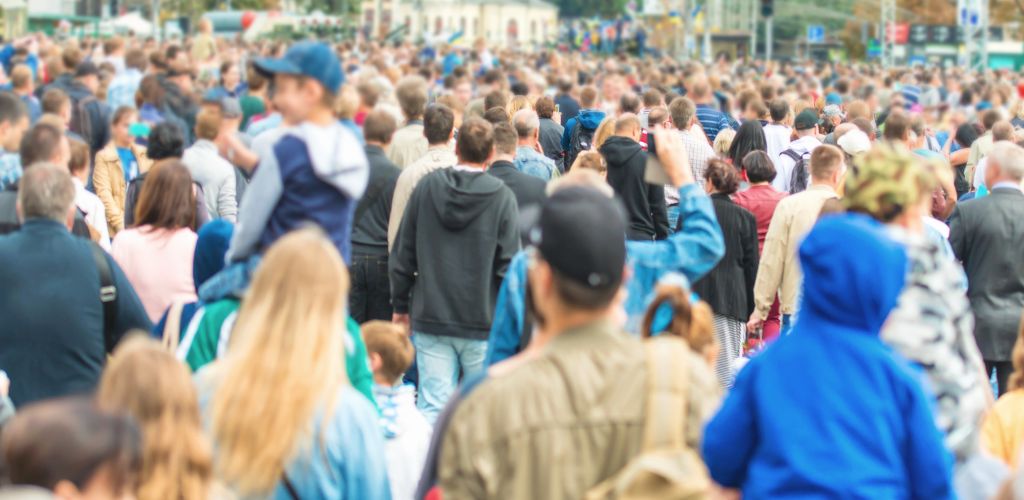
point(407, 145)
point(108, 181)
point(559, 424)
point(779, 271)
point(436, 157)
point(980, 149)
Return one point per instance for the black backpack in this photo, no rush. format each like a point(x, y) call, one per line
point(580, 140)
point(798, 179)
point(81, 119)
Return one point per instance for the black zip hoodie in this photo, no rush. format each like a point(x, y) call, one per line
point(456, 240)
point(644, 203)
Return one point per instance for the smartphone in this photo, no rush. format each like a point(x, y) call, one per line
point(558, 109)
point(654, 172)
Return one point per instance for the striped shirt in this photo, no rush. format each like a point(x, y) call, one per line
point(712, 120)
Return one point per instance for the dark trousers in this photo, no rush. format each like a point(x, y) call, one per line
point(370, 297)
point(1003, 370)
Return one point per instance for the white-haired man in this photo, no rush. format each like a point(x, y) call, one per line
point(985, 234)
point(530, 158)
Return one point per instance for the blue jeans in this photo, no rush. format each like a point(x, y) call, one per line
point(439, 360)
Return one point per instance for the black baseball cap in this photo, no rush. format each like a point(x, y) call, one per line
point(581, 233)
point(807, 119)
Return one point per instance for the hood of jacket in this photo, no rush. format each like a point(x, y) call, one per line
point(211, 247)
point(590, 118)
point(459, 197)
point(619, 151)
point(342, 163)
point(853, 273)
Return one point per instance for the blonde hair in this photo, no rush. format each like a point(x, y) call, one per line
point(581, 177)
point(590, 160)
point(288, 339)
point(723, 141)
point(1016, 380)
point(605, 130)
point(148, 383)
point(517, 103)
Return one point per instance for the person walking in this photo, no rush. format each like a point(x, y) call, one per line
point(409, 144)
point(528, 189)
point(985, 234)
point(116, 165)
point(832, 392)
point(760, 199)
point(798, 153)
point(58, 331)
point(627, 164)
point(778, 271)
point(530, 159)
point(729, 287)
point(157, 253)
point(370, 298)
point(449, 258)
point(212, 171)
point(438, 128)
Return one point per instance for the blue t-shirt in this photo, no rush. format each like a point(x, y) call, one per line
point(128, 163)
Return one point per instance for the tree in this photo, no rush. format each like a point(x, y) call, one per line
point(591, 8)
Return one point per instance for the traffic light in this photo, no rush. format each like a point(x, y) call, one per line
point(767, 8)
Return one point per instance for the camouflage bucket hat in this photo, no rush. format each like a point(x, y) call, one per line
point(886, 180)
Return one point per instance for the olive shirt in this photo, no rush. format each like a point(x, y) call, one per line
point(560, 423)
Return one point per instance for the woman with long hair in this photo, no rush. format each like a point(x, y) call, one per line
point(156, 254)
point(285, 421)
point(729, 287)
point(603, 131)
point(146, 382)
point(750, 137)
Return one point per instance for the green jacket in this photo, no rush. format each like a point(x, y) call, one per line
point(207, 335)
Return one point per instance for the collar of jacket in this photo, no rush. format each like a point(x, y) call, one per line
point(373, 149)
point(821, 187)
point(502, 164)
point(584, 336)
point(721, 196)
point(41, 224)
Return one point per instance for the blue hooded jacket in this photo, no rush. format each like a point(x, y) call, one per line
point(589, 118)
point(829, 411)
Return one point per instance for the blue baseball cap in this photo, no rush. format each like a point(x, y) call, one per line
point(833, 98)
point(310, 59)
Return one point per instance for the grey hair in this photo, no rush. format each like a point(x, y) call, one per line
point(526, 122)
point(1010, 158)
point(46, 191)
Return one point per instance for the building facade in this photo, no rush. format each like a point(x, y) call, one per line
point(501, 23)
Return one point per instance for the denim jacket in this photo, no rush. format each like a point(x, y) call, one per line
point(531, 162)
point(693, 251)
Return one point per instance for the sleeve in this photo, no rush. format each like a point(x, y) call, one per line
point(958, 235)
point(732, 434)
point(567, 135)
point(929, 464)
point(509, 311)
point(227, 205)
point(750, 259)
point(772, 263)
point(399, 200)
point(993, 439)
point(508, 237)
point(130, 313)
point(456, 474)
point(693, 250)
point(402, 265)
point(101, 183)
point(358, 363)
point(656, 195)
point(261, 197)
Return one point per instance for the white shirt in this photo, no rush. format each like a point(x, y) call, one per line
point(979, 172)
point(804, 146)
point(95, 214)
point(777, 136)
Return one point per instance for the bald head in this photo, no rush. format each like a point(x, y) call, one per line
point(628, 125)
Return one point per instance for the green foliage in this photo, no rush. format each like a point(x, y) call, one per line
point(591, 8)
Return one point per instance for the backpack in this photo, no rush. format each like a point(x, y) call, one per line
point(81, 119)
point(798, 179)
point(666, 466)
point(580, 140)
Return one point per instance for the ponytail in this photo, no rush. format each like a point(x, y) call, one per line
point(689, 320)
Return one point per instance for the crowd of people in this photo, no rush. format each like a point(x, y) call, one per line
point(298, 271)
